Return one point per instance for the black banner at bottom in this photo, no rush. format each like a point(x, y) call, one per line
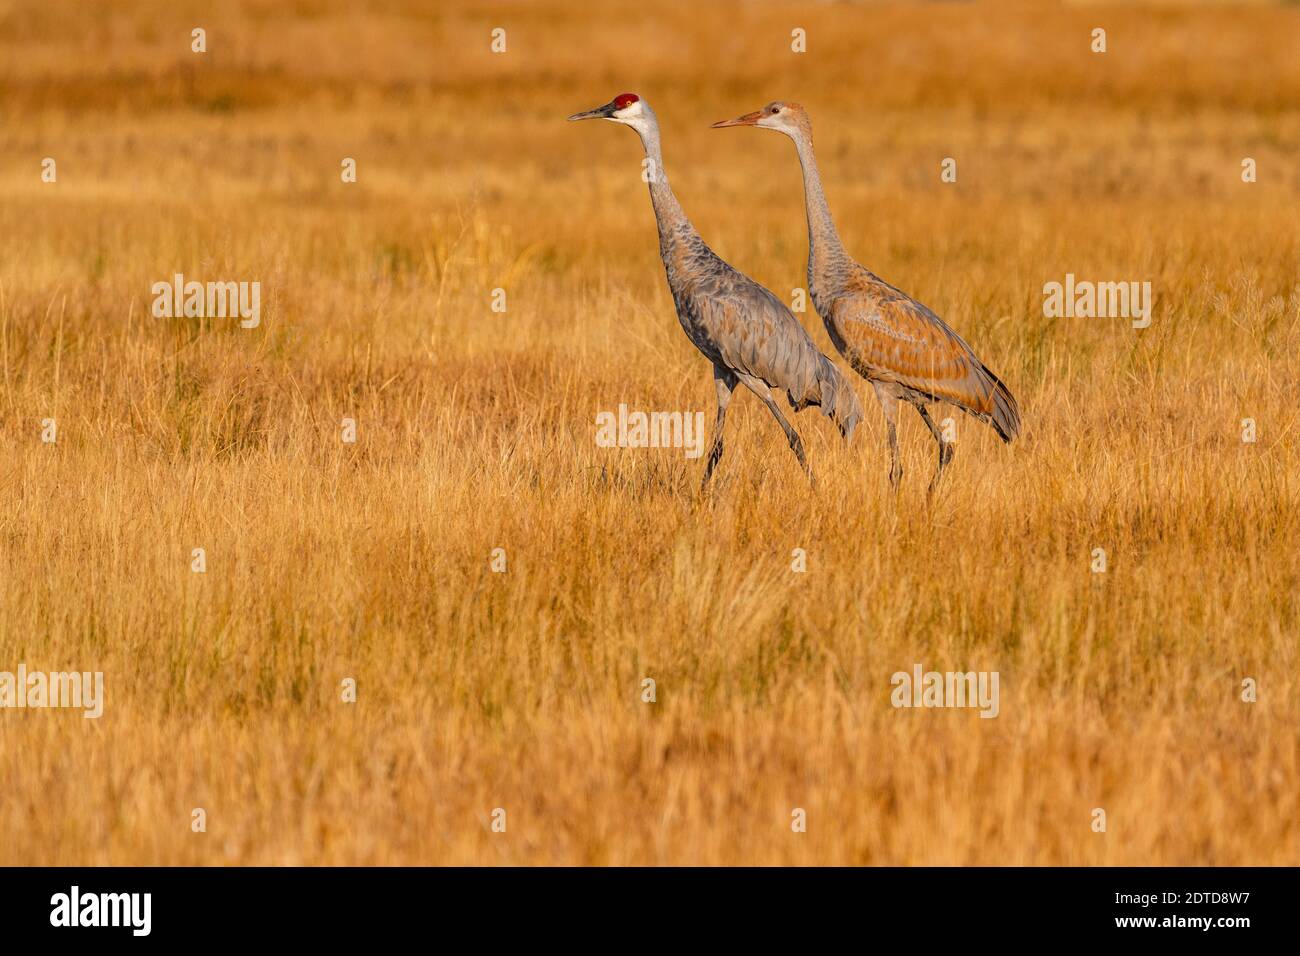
point(617, 907)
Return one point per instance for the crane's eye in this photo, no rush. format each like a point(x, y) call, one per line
point(774, 110)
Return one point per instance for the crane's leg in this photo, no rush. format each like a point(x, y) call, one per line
point(889, 405)
point(724, 381)
point(945, 449)
point(759, 388)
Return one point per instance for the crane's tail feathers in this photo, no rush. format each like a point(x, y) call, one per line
point(833, 394)
point(1005, 415)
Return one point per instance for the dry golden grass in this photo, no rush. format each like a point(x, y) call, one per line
point(521, 690)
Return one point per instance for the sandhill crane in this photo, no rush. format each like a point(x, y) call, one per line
point(741, 327)
point(902, 348)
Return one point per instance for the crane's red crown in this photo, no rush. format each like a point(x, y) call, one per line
point(624, 100)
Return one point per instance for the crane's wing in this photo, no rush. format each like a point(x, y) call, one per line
point(892, 337)
point(756, 335)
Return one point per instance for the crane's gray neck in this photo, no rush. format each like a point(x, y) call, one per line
point(825, 252)
point(673, 224)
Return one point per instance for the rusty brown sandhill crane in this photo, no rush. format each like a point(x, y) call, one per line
point(903, 349)
point(743, 329)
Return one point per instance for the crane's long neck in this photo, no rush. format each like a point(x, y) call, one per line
point(674, 227)
point(826, 255)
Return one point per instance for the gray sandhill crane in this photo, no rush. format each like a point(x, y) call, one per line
point(741, 327)
point(903, 349)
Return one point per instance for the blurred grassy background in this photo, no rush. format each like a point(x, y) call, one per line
point(479, 690)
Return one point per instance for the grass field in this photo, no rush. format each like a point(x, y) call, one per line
point(476, 690)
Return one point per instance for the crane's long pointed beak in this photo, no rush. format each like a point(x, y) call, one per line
point(600, 112)
point(749, 119)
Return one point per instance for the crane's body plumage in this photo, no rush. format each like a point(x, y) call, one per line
point(743, 329)
point(901, 347)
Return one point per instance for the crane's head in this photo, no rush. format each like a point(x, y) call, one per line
point(782, 116)
point(626, 108)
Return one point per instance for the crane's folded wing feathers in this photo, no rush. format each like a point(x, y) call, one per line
point(758, 336)
point(893, 338)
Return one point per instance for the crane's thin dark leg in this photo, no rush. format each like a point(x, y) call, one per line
point(796, 443)
point(759, 388)
point(945, 449)
point(889, 405)
point(724, 382)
